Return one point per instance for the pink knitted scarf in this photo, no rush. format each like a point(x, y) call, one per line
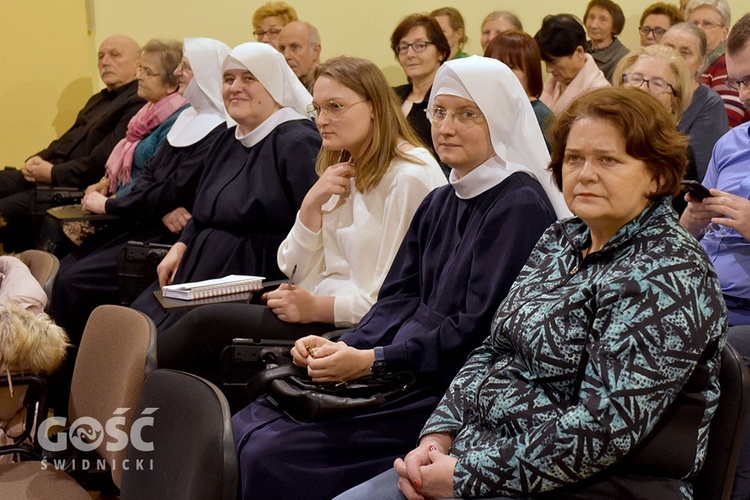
point(145, 120)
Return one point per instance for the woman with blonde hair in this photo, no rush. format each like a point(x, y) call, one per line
point(373, 176)
point(269, 18)
point(452, 23)
point(661, 72)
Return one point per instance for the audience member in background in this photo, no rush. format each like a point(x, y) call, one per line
point(461, 253)
point(299, 42)
point(269, 19)
point(520, 53)
point(77, 158)
point(705, 119)
point(497, 22)
point(661, 72)
point(420, 47)
point(158, 85)
point(714, 17)
point(656, 19)
point(147, 130)
point(452, 23)
point(160, 204)
point(604, 20)
point(253, 182)
point(722, 221)
point(348, 229)
point(562, 43)
point(563, 395)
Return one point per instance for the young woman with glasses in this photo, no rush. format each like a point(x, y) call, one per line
point(372, 177)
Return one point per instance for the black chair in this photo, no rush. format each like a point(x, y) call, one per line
point(193, 455)
point(29, 400)
point(726, 434)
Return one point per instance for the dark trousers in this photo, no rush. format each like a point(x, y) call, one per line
point(739, 337)
point(15, 209)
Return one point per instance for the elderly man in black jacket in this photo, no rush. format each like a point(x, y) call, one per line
point(78, 157)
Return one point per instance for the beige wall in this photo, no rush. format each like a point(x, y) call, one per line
point(44, 63)
point(49, 60)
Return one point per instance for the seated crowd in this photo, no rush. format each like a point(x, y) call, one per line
point(522, 248)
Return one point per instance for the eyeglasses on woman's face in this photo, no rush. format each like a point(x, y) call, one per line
point(332, 109)
point(147, 73)
point(464, 118)
point(705, 25)
point(270, 33)
point(655, 85)
point(418, 46)
point(646, 31)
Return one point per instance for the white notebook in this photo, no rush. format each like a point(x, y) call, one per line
point(234, 283)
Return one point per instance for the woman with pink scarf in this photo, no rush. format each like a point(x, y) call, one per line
point(562, 43)
point(157, 83)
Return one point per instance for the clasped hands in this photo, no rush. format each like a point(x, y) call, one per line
point(328, 361)
point(427, 471)
point(37, 170)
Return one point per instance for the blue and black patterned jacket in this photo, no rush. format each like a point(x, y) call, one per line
point(585, 356)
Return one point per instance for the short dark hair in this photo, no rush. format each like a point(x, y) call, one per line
point(618, 18)
point(665, 9)
point(739, 35)
point(559, 36)
point(519, 51)
point(645, 124)
point(431, 26)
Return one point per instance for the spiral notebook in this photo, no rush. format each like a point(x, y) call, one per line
point(232, 284)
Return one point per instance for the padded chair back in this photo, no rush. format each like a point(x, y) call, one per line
point(194, 455)
point(725, 435)
point(117, 352)
point(43, 266)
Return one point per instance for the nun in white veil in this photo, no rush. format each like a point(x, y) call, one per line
point(517, 142)
point(161, 202)
point(199, 77)
point(255, 177)
point(465, 246)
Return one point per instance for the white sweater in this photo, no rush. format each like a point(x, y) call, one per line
point(351, 254)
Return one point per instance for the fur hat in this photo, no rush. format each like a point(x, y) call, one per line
point(30, 343)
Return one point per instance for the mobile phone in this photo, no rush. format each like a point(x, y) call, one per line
point(696, 189)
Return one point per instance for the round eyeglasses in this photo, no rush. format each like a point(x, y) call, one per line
point(333, 110)
point(464, 118)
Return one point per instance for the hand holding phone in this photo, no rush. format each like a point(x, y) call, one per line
point(696, 189)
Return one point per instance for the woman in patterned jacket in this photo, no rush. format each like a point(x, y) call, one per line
point(616, 313)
